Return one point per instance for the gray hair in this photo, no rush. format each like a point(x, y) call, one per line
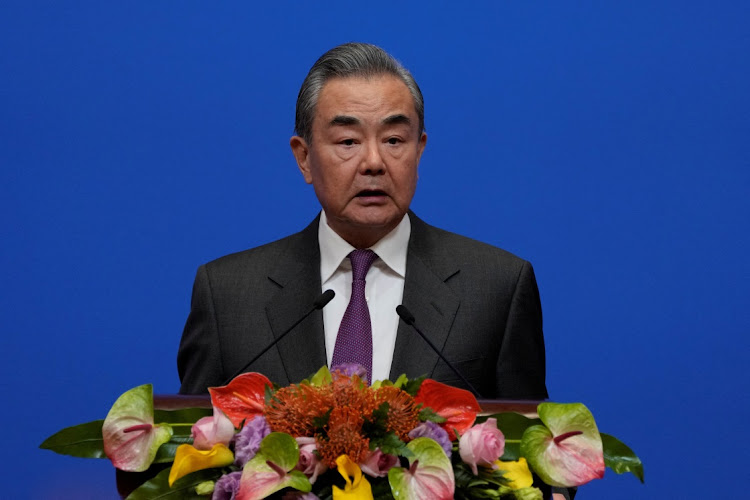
point(348, 60)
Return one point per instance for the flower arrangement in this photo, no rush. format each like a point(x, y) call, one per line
point(335, 436)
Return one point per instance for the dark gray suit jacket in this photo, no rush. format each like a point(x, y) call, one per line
point(479, 304)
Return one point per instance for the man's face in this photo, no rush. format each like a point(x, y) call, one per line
point(363, 156)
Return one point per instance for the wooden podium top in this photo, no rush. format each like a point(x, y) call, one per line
point(488, 406)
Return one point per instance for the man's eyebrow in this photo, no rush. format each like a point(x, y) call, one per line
point(397, 119)
point(344, 120)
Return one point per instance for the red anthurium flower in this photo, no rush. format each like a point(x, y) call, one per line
point(241, 399)
point(458, 407)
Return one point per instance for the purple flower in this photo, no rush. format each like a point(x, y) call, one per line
point(247, 441)
point(349, 369)
point(377, 463)
point(433, 431)
point(227, 486)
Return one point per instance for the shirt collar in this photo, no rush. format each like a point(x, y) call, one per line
point(391, 249)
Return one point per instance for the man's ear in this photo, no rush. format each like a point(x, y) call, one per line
point(420, 146)
point(302, 154)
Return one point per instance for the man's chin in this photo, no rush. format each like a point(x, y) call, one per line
point(365, 229)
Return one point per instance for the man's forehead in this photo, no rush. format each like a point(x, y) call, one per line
point(345, 97)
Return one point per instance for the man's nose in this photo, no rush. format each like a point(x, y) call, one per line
point(372, 160)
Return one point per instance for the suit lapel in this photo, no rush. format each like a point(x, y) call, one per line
point(298, 276)
point(429, 299)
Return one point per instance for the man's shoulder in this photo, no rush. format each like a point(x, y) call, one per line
point(442, 244)
point(298, 246)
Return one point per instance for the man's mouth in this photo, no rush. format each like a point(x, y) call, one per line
point(367, 193)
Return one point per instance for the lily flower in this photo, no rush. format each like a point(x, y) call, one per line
point(241, 399)
point(189, 459)
point(131, 439)
point(356, 487)
point(516, 472)
point(568, 451)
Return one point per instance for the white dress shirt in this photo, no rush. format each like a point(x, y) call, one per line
point(384, 289)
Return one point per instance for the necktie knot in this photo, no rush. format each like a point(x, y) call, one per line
point(361, 260)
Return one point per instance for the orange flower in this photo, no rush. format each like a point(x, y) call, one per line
point(353, 393)
point(403, 415)
point(344, 437)
point(293, 408)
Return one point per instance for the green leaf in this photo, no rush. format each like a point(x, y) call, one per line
point(390, 444)
point(513, 426)
point(412, 386)
point(166, 452)
point(183, 489)
point(620, 458)
point(321, 377)
point(428, 414)
point(401, 380)
point(83, 440)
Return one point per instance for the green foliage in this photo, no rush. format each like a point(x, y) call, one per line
point(488, 483)
point(321, 377)
point(620, 458)
point(428, 414)
point(321, 421)
point(165, 453)
point(412, 386)
point(83, 440)
point(183, 489)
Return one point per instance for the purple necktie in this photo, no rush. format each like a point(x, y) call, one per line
point(354, 341)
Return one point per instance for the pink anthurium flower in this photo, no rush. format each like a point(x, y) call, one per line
point(208, 431)
point(131, 439)
point(482, 444)
point(568, 451)
point(430, 474)
point(243, 398)
point(271, 469)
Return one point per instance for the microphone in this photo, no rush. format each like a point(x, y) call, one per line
point(320, 302)
point(408, 318)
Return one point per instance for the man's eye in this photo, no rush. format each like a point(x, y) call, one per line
point(347, 142)
point(394, 140)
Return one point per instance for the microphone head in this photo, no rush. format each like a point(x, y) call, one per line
point(323, 299)
point(405, 315)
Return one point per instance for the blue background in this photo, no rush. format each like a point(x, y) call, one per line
point(606, 142)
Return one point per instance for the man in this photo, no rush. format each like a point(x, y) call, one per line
point(360, 136)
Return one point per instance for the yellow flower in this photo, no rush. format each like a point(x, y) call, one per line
point(517, 473)
point(355, 489)
point(188, 459)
